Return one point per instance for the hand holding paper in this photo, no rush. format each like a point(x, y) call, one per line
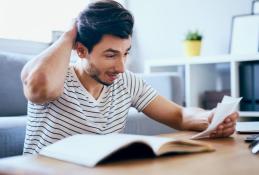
point(223, 109)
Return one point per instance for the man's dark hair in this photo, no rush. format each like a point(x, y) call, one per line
point(101, 18)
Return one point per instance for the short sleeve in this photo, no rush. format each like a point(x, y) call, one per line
point(141, 93)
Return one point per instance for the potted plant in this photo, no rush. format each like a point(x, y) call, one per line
point(192, 43)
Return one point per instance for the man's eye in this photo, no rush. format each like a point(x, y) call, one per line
point(110, 56)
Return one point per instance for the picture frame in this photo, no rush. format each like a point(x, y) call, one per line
point(244, 34)
point(255, 7)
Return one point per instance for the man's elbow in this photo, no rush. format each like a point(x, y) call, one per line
point(36, 88)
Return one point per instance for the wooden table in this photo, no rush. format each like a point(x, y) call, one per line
point(232, 157)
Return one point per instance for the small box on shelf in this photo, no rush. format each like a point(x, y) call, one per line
point(210, 99)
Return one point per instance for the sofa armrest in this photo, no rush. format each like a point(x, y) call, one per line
point(168, 85)
point(12, 134)
point(139, 123)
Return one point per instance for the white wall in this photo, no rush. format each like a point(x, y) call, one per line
point(162, 24)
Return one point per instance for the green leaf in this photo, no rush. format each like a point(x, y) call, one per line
point(193, 36)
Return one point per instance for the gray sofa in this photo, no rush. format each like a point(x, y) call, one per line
point(13, 105)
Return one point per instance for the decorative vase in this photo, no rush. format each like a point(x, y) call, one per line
point(192, 48)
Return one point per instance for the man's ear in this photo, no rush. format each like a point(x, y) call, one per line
point(81, 50)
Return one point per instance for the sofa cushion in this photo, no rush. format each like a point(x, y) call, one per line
point(12, 134)
point(167, 85)
point(12, 101)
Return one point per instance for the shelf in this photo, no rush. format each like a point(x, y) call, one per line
point(201, 60)
point(249, 114)
point(204, 74)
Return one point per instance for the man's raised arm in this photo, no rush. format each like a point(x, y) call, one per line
point(43, 77)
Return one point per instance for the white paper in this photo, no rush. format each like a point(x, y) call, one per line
point(223, 109)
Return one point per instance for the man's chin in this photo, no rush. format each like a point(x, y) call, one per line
point(102, 82)
point(106, 84)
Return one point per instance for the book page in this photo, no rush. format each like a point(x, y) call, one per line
point(223, 109)
point(85, 149)
point(156, 142)
point(90, 149)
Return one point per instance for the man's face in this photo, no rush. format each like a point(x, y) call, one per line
point(107, 59)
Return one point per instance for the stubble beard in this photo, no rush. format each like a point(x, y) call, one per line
point(95, 74)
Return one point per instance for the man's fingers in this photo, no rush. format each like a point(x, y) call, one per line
point(219, 132)
point(223, 132)
point(226, 128)
point(227, 120)
point(227, 132)
point(229, 125)
point(220, 127)
point(232, 117)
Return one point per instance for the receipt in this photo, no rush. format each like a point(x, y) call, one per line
point(223, 109)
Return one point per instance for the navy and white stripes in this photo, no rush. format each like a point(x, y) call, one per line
point(76, 111)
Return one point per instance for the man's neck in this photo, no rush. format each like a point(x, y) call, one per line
point(90, 84)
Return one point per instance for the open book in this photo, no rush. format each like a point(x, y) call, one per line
point(89, 150)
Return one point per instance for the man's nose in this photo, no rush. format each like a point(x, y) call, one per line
point(120, 65)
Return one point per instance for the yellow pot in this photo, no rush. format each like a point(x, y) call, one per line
point(192, 48)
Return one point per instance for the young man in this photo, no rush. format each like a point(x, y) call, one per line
point(95, 94)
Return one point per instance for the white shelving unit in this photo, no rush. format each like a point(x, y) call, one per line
point(201, 74)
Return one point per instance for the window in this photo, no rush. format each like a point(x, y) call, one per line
point(36, 19)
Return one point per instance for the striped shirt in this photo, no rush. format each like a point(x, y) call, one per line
point(77, 112)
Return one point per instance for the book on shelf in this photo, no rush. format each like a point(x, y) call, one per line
point(89, 150)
